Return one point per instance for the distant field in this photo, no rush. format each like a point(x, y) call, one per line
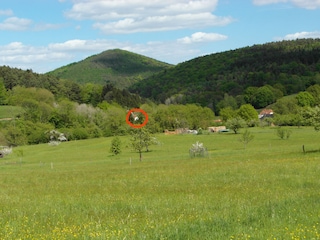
point(77, 190)
point(9, 111)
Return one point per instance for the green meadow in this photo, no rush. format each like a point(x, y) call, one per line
point(78, 190)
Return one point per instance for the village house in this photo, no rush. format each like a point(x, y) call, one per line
point(265, 113)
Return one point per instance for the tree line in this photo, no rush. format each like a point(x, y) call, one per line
point(42, 111)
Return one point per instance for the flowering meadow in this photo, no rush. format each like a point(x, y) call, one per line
point(79, 190)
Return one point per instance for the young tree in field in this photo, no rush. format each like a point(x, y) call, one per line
point(283, 133)
point(246, 137)
point(140, 139)
point(235, 124)
point(115, 148)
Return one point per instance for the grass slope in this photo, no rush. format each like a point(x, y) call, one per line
point(77, 190)
point(120, 67)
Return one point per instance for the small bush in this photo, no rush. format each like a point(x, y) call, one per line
point(198, 150)
point(283, 133)
point(5, 150)
point(115, 148)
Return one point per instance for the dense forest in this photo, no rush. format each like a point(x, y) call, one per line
point(288, 66)
point(88, 93)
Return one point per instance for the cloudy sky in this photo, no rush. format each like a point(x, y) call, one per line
point(43, 35)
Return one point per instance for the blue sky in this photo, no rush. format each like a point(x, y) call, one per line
point(43, 35)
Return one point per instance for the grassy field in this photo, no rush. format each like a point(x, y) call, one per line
point(77, 190)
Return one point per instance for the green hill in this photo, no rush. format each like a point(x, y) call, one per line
point(289, 66)
point(119, 67)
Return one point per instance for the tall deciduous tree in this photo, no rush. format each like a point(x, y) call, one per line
point(314, 90)
point(305, 99)
point(312, 117)
point(247, 112)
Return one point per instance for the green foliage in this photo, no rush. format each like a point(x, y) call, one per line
point(246, 137)
point(115, 148)
point(314, 90)
point(227, 113)
point(183, 116)
point(227, 102)
point(283, 133)
point(111, 94)
point(118, 67)
point(235, 124)
point(9, 111)
point(305, 99)
point(260, 97)
point(20, 94)
point(91, 94)
point(286, 119)
point(14, 133)
point(140, 139)
point(312, 116)
point(79, 133)
point(287, 67)
point(13, 77)
point(286, 105)
point(247, 112)
point(3, 93)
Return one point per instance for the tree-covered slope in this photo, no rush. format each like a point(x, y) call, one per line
point(118, 67)
point(290, 66)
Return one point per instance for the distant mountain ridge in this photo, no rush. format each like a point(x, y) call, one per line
point(118, 67)
point(290, 66)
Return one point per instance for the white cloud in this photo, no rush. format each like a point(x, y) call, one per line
point(7, 12)
point(298, 35)
point(78, 45)
point(146, 16)
point(22, 24)
point(42, 59)
point(265, 2)
point(46, 26)
point(16, 54)
point(15, 24)
point(199, 37)
point(46, 58)
point(307, 4)
point(119, 9)
point(162, 23)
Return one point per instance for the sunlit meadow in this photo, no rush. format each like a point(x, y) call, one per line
point(78, 190)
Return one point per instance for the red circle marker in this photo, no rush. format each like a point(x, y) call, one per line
point(137, 125)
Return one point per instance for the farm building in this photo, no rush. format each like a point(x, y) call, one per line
point(265, 113)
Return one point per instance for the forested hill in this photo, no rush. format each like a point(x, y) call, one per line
point(289, 66)
point(119, 67)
